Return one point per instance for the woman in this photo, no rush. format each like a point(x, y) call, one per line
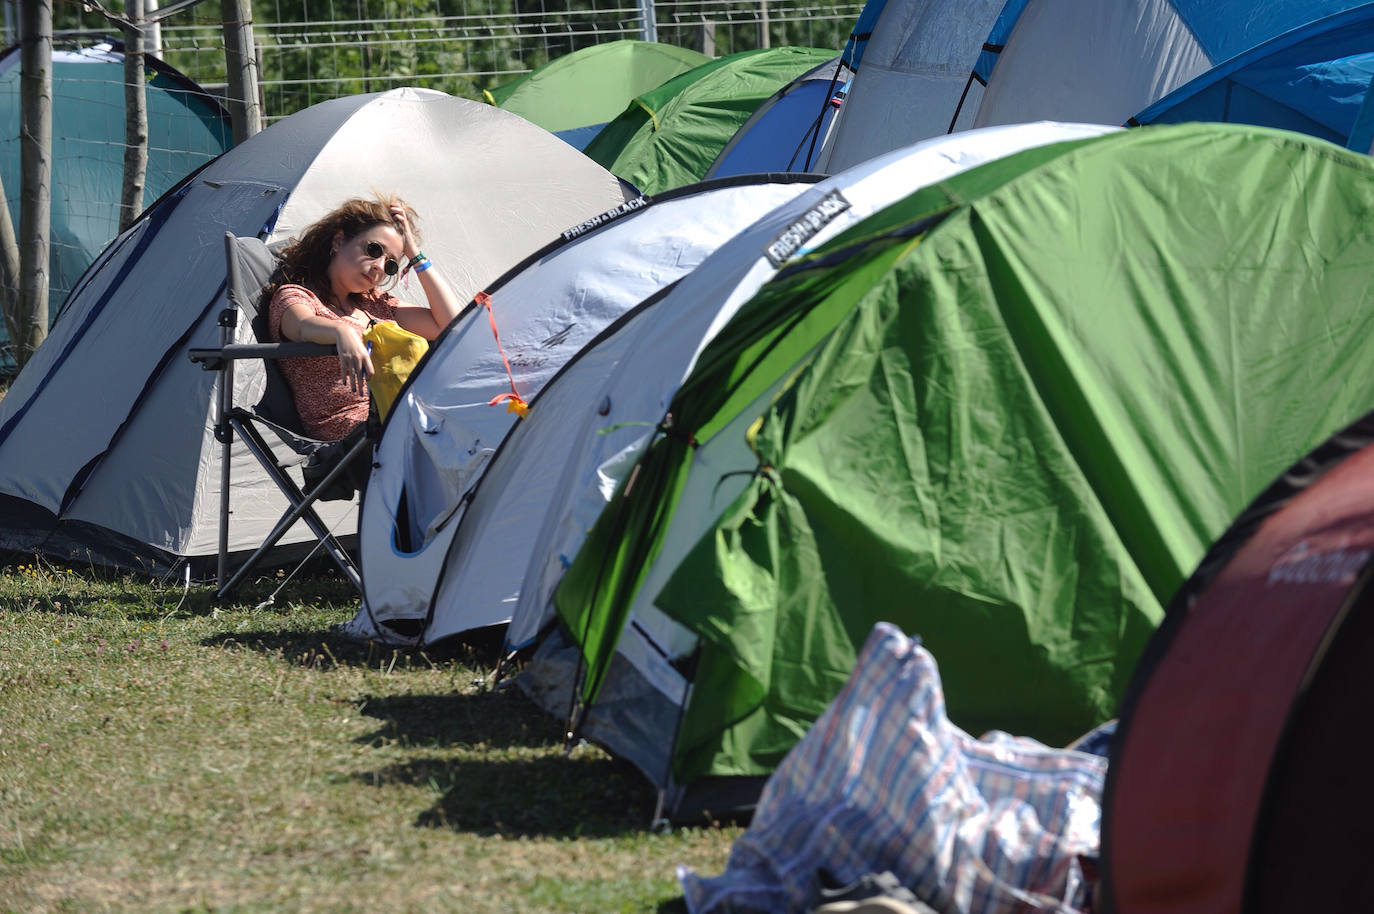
point(328, 290)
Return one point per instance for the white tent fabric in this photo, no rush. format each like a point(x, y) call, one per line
point(1096, 61)
point(647, 359)
point(1099, 62)
point(105, 437)
point(910, 80)
point(445, 430)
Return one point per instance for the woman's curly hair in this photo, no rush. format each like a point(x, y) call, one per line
point(305, 259)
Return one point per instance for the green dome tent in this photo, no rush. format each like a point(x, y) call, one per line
point(669, 137)
point(577, 94)
point(1007, 414)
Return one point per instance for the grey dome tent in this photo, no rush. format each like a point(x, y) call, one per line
point(106, 445)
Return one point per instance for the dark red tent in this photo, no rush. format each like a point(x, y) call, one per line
point(1237, 780)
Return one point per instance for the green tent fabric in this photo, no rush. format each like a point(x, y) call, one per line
point(669, 137)
point(594, 84)
point(1007, 414)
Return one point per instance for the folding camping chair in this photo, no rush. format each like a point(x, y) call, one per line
point(324, 464)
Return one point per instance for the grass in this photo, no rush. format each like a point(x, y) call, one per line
point(161, 752)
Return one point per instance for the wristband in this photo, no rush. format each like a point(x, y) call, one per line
point(419, 256)
point(423, 265)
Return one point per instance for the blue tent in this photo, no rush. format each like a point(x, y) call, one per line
point(579, 137)
point(784, 134)
point(186, 128)
point(1313, 79)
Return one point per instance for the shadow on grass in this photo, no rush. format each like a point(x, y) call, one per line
point(95, 605)
point(310, 648)
point(516, 779)
point(148, 596)
point(494, 721)
point(323, 648)
point(546, 795)
point(195, 601)
point(278, 593)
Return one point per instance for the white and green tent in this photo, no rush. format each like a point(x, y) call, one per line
point(1008, 414)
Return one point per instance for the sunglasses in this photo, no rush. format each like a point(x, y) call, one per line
point(375, 250)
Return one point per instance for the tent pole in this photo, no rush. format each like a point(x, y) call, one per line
point(960, 107)
point(661, 818)
point(834, 81)
point(811, 133)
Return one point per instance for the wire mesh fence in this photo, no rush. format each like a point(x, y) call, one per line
point(312, 50)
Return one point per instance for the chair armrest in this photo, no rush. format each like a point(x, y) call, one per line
point(213, 359)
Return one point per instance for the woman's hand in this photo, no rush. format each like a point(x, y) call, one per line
point(409, 245)
point(299, 323)
point(443, 304)
point(355, 364)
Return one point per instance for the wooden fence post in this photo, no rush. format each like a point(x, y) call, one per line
point(135, 117)
point(35, 155)
point(240, 66)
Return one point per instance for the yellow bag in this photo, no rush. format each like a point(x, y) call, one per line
point(395, 352)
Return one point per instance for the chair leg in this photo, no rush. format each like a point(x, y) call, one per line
point(228, 320)
point(300, 509)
